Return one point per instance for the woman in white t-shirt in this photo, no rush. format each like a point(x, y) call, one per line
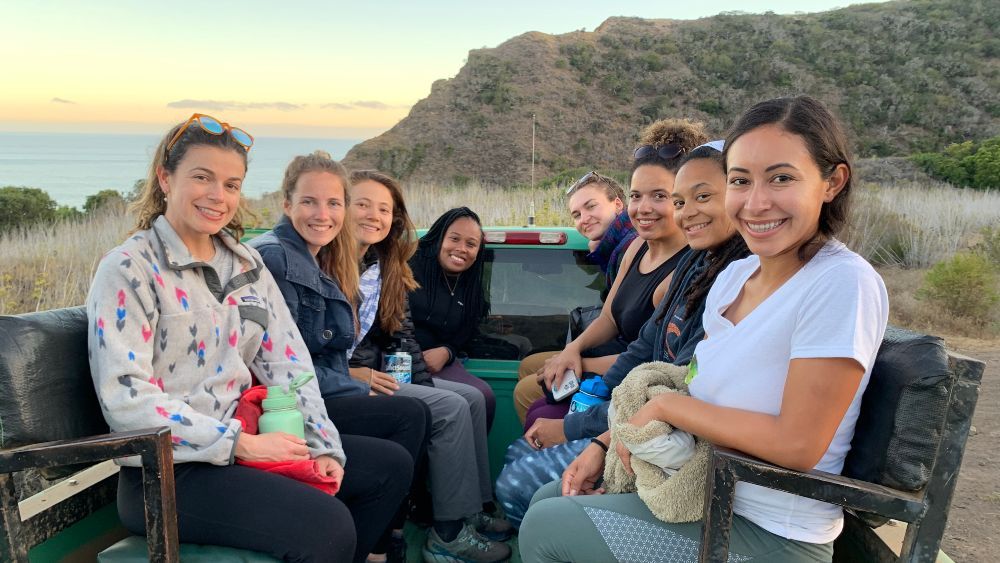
point(791, 336)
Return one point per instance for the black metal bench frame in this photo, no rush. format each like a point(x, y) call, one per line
point(156, 452)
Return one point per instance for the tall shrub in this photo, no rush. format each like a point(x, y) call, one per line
point(22, 207)
point(964, 285)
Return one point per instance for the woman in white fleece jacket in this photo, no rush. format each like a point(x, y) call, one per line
point(182, 317)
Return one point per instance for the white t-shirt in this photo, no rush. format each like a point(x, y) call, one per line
point(836, 306)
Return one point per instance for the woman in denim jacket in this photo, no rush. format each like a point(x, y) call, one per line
point(307, 245)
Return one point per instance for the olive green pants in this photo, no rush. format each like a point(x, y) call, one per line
point(606, 528)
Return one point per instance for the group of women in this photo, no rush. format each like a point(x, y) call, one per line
point(721, 255)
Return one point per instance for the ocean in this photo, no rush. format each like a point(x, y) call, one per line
point(71, 166)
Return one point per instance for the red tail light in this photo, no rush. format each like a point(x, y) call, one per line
point(525, 237)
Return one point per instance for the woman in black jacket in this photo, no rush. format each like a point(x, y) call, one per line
point(451, 300)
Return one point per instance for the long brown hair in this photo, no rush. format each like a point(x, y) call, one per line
point(339, 258)
point(827, 143)
point(151, 202)
point(394, 252)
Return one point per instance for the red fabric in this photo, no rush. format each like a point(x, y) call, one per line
point(304, 471)
point(248, 410)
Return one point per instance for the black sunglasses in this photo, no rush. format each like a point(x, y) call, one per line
point(666, 152)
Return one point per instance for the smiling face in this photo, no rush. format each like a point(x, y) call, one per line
point(316, 208)
point(460, 245)
point(202, 193)
point(649, 203)
point(700, 204)
point(592, 211)
point(371, 208)
point(775, 190)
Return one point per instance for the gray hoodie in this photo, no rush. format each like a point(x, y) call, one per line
point(169, 346)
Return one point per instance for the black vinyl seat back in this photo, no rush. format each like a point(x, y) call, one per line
point(903, 413)
point(46, 392)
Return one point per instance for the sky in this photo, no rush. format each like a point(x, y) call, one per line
point(292, 68)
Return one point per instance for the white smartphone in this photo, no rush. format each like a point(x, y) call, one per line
point(570, 383)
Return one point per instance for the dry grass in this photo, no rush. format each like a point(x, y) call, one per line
point(917, 225)
point(426, 202)
point(50, 266)
point(904, 228)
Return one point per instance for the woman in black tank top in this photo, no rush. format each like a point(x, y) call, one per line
point(645, 271)
point(633, 304)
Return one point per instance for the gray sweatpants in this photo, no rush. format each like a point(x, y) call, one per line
point(605, 528)
point(457, 454)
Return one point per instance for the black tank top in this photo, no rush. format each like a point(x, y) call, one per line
point(633, 304)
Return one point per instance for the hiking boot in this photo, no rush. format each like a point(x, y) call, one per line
point(493, 526)
point(467, 547)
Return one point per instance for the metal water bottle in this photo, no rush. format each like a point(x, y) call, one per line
point(281, 413)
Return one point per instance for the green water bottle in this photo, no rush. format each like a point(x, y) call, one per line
point(281, 413)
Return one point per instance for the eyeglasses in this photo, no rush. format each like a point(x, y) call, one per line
point(213, 126)
point(666, 152)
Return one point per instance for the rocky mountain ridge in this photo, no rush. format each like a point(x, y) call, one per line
point(905, 76)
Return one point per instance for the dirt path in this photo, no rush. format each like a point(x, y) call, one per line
point(973, 533)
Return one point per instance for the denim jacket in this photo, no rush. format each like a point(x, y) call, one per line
point(319, 307)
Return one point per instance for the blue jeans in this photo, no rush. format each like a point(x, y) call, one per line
point(526, 469)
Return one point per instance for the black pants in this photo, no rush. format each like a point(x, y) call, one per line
point(247, 508)
point(404, 420)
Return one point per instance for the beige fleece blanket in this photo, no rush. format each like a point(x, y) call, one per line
point(678, 498)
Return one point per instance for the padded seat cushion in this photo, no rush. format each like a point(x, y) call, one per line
point(46, 392)
point(133, 550)
point(903, 413)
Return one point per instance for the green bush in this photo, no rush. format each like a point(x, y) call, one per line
point(964, 285)
point(965, 164)
point(68, 213)
point(102, 199)
point(21, 207)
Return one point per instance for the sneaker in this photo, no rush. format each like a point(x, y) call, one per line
point(494, 527)
point(467, 547)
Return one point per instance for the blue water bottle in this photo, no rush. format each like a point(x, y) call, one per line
point(592, 392)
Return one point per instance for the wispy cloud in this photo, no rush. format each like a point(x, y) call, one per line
point(63, 101)
point(220, 105)
point(367, 104)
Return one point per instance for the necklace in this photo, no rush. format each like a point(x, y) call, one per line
point(447, 282)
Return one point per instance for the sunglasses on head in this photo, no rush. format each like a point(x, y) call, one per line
point(666, 152)
point(213, 126)
point(591, 177)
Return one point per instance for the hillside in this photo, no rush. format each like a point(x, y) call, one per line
point(905, 76)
